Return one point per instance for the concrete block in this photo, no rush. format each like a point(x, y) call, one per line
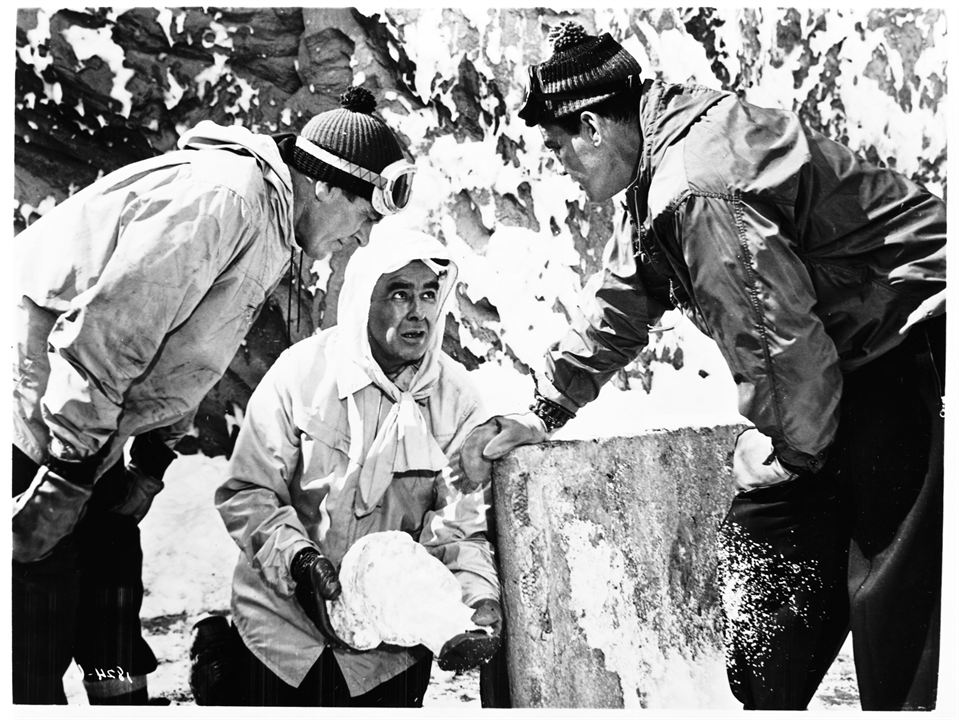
point(608, 558)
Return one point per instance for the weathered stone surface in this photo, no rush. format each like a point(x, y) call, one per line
point(608, 559)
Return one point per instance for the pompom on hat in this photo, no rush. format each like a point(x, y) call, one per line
point(352, 133)
point(583, 70)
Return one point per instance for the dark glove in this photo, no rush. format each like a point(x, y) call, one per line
point(215, 662)
point(316, 582)
point(150, 454)
point(149, 459)
point(472, 649)
point(49, 510)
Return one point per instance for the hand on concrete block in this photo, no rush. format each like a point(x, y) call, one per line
point(513, 431)
point(755, 464)
point(471, 470)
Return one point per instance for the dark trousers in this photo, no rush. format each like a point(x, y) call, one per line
point(325, 686)
point(81, 602)
point(858, 547)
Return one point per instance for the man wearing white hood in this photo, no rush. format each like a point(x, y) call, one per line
point(133, 297)
point(352, 432)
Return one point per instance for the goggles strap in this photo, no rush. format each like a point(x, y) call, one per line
point(357, 171)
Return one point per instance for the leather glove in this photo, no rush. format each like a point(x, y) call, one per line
point(49, 510)
point(755, 464)
point(472, 649)
point(316, 582)
point(149, 459)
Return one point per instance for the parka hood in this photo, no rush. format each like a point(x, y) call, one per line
point(208, 135)
point(403, 441)
point(385, 253)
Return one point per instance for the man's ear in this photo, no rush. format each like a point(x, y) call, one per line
point(324, 191)
point(590, 127)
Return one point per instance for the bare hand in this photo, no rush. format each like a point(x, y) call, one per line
point(515, 430)
point(491, 441)
point(488, 614)
point(754, 462)
point(473, 470)
point(929, 307)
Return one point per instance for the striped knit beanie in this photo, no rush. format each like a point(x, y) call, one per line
point(352, 133)
point(583, 70)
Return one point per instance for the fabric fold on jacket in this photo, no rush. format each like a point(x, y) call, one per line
point(92, 377)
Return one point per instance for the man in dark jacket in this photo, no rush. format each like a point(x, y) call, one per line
point(822, 279)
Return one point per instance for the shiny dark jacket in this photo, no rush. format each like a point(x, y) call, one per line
point(801, 260)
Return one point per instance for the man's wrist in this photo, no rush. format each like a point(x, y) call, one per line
point(799, 463)
point(151, 455)
point(302, 562)
point(66, 462)
point(552, 414)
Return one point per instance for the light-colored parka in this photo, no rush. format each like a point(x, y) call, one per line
point(134, 294)
point(801, 260)
point(331, 450)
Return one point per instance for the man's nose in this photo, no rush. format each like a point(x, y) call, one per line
point(417, 309)
point(363, 234)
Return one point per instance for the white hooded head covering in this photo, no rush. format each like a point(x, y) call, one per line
point(403, 442)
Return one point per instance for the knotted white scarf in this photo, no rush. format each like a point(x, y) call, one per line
point(403, 442)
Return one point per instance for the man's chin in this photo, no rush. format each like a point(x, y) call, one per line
point(598, 196)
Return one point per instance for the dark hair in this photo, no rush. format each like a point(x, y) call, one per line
point(623, 107)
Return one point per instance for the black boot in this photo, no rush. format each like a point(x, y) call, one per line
point(214, 661)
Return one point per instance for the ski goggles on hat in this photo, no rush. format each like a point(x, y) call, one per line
point(391, 186)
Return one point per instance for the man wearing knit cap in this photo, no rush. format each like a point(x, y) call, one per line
point(822, 279)
point(133, 297)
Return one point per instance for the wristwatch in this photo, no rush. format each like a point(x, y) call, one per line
point(553, 415)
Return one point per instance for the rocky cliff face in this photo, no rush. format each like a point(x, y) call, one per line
point(97, 89)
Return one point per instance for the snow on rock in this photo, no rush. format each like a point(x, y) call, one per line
point(649, 676)
point(90, 43)
point(450, 81)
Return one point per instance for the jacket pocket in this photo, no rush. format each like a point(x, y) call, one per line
point(325, 449)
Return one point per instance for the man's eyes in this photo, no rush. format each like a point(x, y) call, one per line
point(405, 295)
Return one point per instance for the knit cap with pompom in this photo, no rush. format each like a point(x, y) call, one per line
point(584, 70)
point(353, 133)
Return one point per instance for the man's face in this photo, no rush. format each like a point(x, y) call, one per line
point(329, 220)
point(403, 315)
point(589, 157)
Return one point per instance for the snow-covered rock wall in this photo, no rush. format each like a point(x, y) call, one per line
point(96, 89)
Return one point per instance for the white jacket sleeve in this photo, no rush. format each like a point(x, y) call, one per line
point(255, 501)
point(168, 254)
point(455, 530)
